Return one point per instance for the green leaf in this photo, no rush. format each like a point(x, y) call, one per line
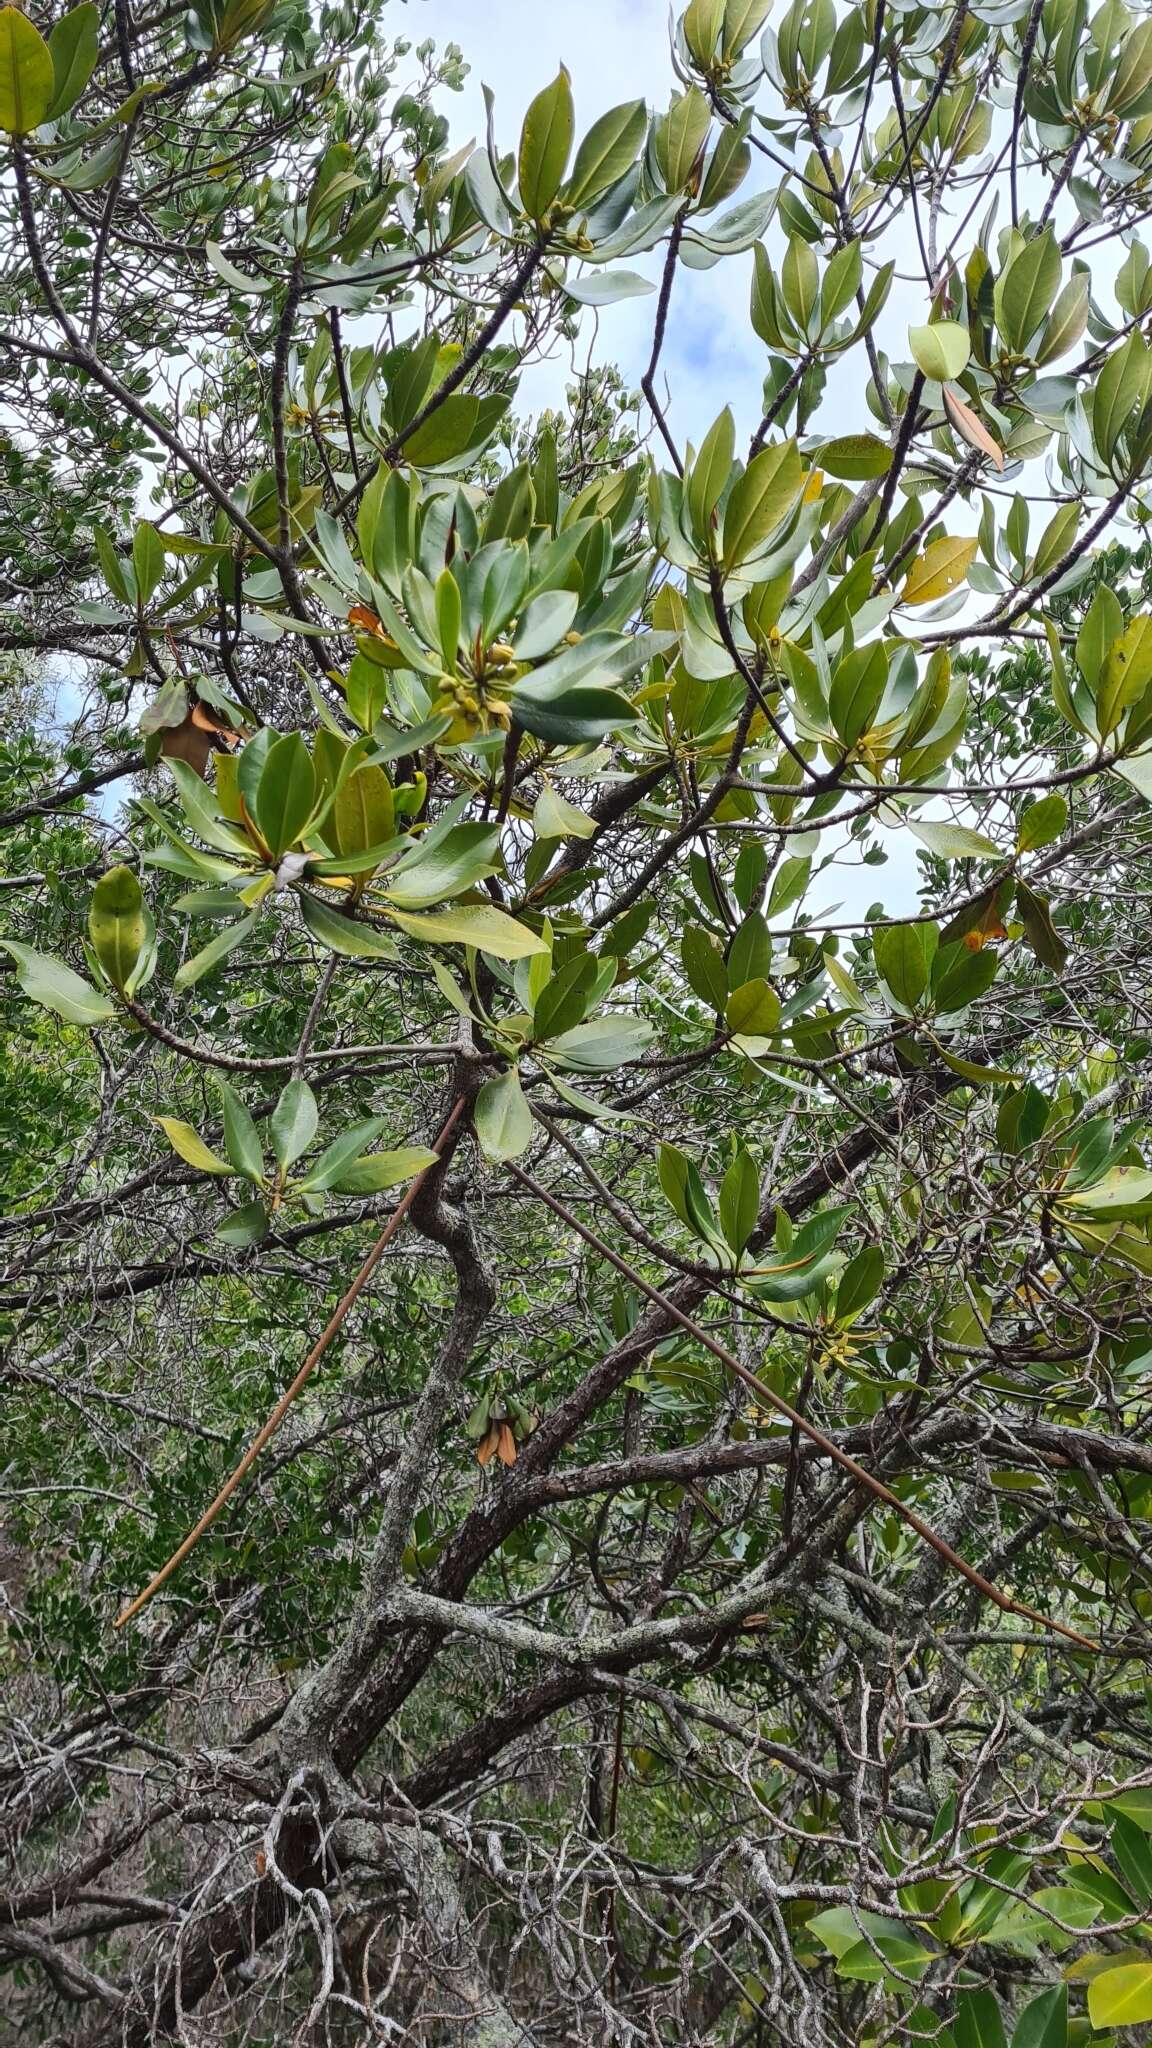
point(503, 1120)
point(1123, 1195)
point(112, 565)
point(1039, 929)
point(960, 976)
point(337, 1157)
point(545, 621)
point(800, 281)
point(1133, 1853)
point(545, 144)
point(607, 151)
point(680, 136)
point(380, 1170)
point(1025, 290)
point(753, 1010)
point(51, 983)
point(750, 953)
point(444, 864)
point(978, 2023)
point(954, 842)
point(857, 688)
point(1126, 675)
point(571, 717)
point(854, 457)
point(27, 74)
point(483, 926)
point(241, 1138)
point(743, 19)
point(211, 955)
point(1042, 822)
point(286, 793)
point(245, 1226)
point(118, 924)
point(458, 429)
point(147, 560)
point(740, 1200)
point(903, 954)
point(684, 1191)
point(940, 351)
point(601, 1044)
point(349, 936)
point(710, 473)
point(236, 280)
point(363, 814)
point(555, 818)
point(760, 500)
point(72, 45)
point(1128, 94)
point(566, 998)
point(704, 966)
point(859, 1284)
point(191, 1147)
point(294, 1121)
point(1044, 2022)
point(448, 616)
point(1136, 1805)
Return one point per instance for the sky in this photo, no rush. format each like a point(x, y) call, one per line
point(617, 50)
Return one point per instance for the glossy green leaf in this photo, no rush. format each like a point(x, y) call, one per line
point(739, 1200)
point(286, 793)
point(245, 1226)
point(349, 936)
point(607, 151)
point(545, 145)
point(72, 44)
point(760, 500)
point(854, 457)
point(1026, 289)
point(363, 814)
point(954, 842)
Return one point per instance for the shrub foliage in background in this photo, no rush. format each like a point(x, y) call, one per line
point(699, 1589)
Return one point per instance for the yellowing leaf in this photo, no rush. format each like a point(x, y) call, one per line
point(492, 930)
point(27, 74)
point(944, 564)
point(1121, 1997)
point(190, 1145)
point(940, 351)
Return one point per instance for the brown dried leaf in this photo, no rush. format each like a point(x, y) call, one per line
point(970, 428)
point(486, 1448)
point(189, 742)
